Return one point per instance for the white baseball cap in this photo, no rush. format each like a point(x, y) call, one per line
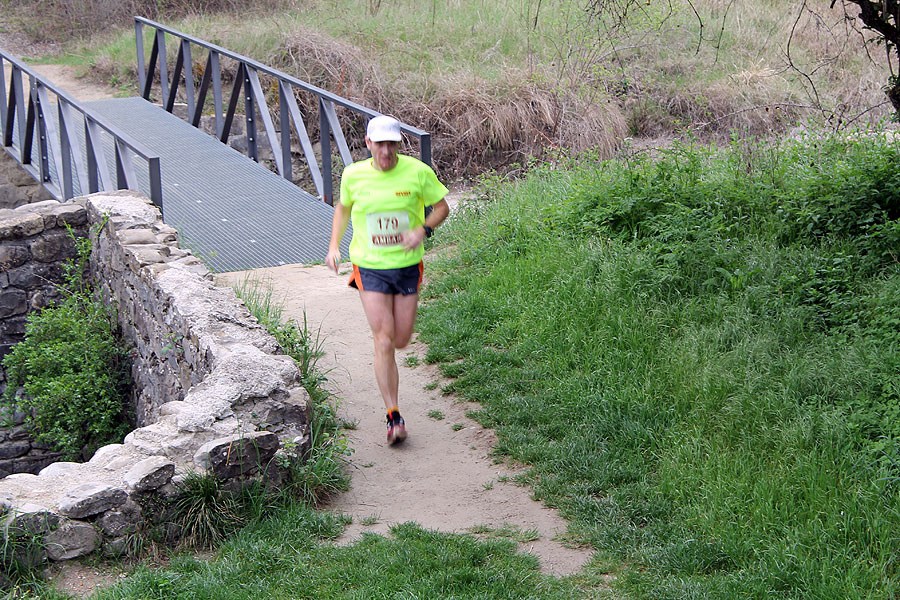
point(384, 129)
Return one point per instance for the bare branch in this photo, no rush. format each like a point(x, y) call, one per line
point(804, 74)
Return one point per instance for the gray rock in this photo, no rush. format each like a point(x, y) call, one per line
point(61, 469)
point(71, 540)
point(13, 302)
point(91, 499)
point(49, 247)
point(13, 255)
point(150, 474)
point(121, 521)
point(14, 449)
point(130, 237)
point(34, 520)
point(71, 213)
point(15, 224)
point(239, 455)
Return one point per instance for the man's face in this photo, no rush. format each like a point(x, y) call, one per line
point(384, 154)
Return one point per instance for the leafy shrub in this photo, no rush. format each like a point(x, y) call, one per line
point(676, 350)
point(72, 369)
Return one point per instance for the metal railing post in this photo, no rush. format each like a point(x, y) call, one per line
point(3, 108)
point(17, 103)
point(139, 43)
point(65, 146)
point(285, 124)
point(163, 65)
point(325, 144)
point(250, 116)
point(45, 140)
point(156, 195)
point(425, 149)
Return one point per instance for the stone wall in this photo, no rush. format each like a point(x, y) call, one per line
point(213, 394)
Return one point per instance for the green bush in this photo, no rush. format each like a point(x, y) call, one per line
point(72, 370)
point(702, 383)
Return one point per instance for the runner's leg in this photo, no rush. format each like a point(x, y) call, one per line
point(404, 319)
point(379, 309)
point(391, 319)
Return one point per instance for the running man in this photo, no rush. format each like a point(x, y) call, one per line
point(385, 197)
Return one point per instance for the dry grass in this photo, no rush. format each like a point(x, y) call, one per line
point(477, 124)
point(497, 87)
point(66, 19)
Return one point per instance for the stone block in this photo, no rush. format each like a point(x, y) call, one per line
point(17, 225)
point(129, 237)
point(51, 246)
point(238, 455)
point(14, 449)
point(61, 469)
point(150, 473)
point(13, 302)
point(71, 540)
point(121, 521)
point(13, 327)
point(35, 275)
point(13, 255)
point(71, 214)
point(91, 499)
point(33, 520)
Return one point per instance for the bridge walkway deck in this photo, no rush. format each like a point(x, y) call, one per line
point(230, 211)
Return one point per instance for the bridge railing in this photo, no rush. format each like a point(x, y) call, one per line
point(247, 79)
point(32, 134)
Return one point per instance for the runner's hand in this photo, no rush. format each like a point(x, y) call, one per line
point(413, 238)
point(333, 260)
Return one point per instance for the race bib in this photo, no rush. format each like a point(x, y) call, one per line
point(386, 228)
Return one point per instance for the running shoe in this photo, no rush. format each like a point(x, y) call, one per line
point(396, 428)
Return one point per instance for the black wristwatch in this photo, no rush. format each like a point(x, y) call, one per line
point(429, 231)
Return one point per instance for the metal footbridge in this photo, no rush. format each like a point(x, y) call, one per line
point(266, 204)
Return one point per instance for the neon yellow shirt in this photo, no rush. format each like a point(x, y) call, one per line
point(384, 204)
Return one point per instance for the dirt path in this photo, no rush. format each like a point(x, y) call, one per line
point(443, 476)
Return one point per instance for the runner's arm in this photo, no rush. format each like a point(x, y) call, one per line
point(338, 227)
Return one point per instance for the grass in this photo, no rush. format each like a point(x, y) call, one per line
point(510, 532)
point(692, 355)
point(284, 558)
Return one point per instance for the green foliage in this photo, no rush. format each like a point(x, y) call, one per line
point(281, 558)
point(206, 513)
point(705, 385)
point(72, 369)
